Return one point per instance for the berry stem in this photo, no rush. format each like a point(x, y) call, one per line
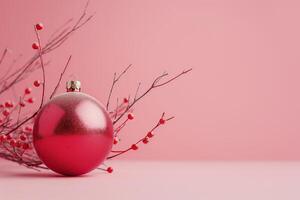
point(120, 152)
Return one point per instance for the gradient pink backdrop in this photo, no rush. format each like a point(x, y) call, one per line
point(240, 102)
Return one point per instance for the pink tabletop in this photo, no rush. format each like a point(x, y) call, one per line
point(158, 180)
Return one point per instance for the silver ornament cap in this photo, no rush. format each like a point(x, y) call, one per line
point(73, 86)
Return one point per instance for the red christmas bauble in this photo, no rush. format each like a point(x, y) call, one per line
point(73, 133)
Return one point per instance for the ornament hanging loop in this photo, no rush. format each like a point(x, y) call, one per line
point(73, 86)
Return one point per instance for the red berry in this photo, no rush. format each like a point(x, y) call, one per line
point(30, 100)
point(8, 137)
point(2, 137)
point(39, 26)
point(22, 104)
point(145, 140)
point(110, 170)
point(1, 105)
point(134, 147)
point(25, 146)
point(6, 112)
point(27, 133)
point(28, 128)
point(130, 116)
point(23, 137)
point(125, 100)
point(9, 104)
point(116, 140)
point(37, 83)
point(150, 134)
point(35, 46)
point(162, 121)
point(12, 143)
point(18, 144)
point(27, 90)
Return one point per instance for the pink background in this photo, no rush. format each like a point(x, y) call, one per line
point(240, 102)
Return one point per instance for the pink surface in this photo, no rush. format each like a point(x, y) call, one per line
point(159, 180)
point(240, 102)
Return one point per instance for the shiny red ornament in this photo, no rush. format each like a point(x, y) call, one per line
point(73, 133)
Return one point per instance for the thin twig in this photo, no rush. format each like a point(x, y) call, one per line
point(60, 78)
point(42, 65)
point(3, 55)
point(115, 80)
point(43, 85)
point(155, 84)
point(137, 90)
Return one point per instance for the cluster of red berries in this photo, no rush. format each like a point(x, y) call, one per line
point(7, 106)
point(38, 27)
point(28, 91)
point(145, 140)
point(149, 135)
point(19, 142)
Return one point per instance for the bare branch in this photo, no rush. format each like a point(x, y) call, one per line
point(137, 90)
point(3, 55)
point(155, 84)
point(43, 85)
point(60, 78)
point(115, 80)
